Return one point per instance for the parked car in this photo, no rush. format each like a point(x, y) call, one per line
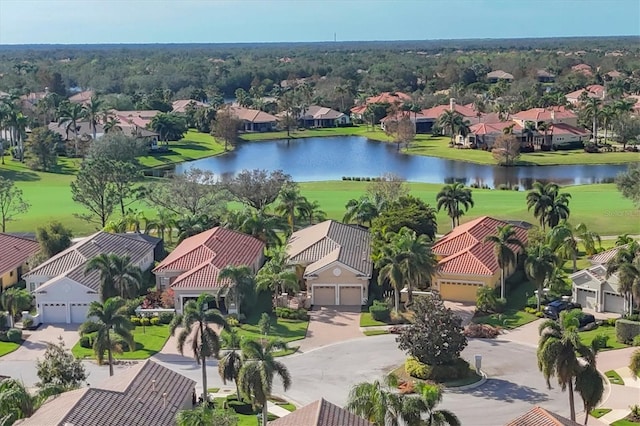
point(553, 309)
point(586, 319)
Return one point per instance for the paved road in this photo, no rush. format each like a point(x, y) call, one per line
point(514, 385)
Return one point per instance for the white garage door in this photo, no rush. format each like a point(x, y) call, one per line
point(351, 296)
point(54, 313)
point(79, 312)
point(586, 298)
point(613, 303)
point(324, 295)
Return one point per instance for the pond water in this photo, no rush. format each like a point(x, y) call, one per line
point(331, 158)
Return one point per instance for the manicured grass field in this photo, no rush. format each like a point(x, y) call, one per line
point(587, 336)
point(285, 330)
point(8, 347)
point(624, 422)
point(599, 412)
point(375, 332)
point(614, 377)
point(149, 341)
point(366, 320)
point(193, 146)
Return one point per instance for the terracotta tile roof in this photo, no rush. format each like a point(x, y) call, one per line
point(360, 109)
point(201, 257)
point(140, 118)
point(606, 255)
point(128, 398)
point(566, 129)
point(464, 250)
point(82, 97)
point(15, 251)
point(389, 98)
point(500, 75)
point(252, 115)
point(538, 416)
point(320, 245)
point(493, 128)
point(436, 111)
point(615, 74)
point(593, 91)
point(545, 114)
point(180, 106)
point(581, 67)
point(320, 413)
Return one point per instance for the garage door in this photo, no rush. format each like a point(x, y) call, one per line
point(54, 313)
point(459, 292)
point(351, 296)
point(79, 312)
point(324, 295)
point(613, 303)
point(586, 298)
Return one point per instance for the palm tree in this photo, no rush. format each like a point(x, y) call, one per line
point(501, 110)
point(258, 371)
point(539, 265)
point(564, 243)
point(623, 240)
point(590, 387)
point(290, 199)
point(257, 224)
point(17, 402)
point(277, 275)
point(626, 263)
point(118, 276)
point(592, 110)
point(380, 405)
point(529, 131)
point(241, 280)
point(310, 210)
point(452, 197)
point(109, 319)
point(543, 127)
point(548, 204)
point(390, 268)
point(15, 300)
point(110, 125)
point(92, 112)
point(634, 363)
point(450, 120)
point(429, 396)
point(588, 239)
point(70, 114)
point(607, 114)
point(229, 365)
point(196, 323)
point(418, 261)
point(363, 210)
point(558, 352)
point(504, 242)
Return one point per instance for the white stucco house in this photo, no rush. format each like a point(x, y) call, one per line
point(593, 290)
point(62, 289)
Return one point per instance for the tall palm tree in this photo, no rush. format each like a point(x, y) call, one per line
point(626, 263)
point(242, 281)
point(529, 131)
point(607, 114)
point(543, 127)
point(592, 110)
point(418, 261)
point(588, 238)
point(390, 268)
point(290, 199)
point(564, 243)
point(429, 396)
point(450, 119)
point(230, 364)
point(70, 114)
point(257, 224)
point(504, 242)
point(590, 387)
point(258, 371)
point(363, 210)
point(277, 275)
point(118, 276)
point(539, 265)
point(452, 197)
point(93, 112)
point(310, 210)
point(109, 319)
point(195, 324)
point(558, 351)
point(623, 240)
point(548, 204)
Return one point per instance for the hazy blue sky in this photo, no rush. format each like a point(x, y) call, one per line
point(183, 21)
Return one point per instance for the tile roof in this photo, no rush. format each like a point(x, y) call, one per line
point(200, 258)
point(593, 91)
point(464, 250)
point(436, 111)
point(82, 97)
point(84, 128)
point(71, 262)
point(14, 251)
point(500, 75)
point(544, 73)
point(360, 109)
point(545, 114)
point(146, 394)
point(388, 98)
point(252, 115)
point(538, 416)
point(595, 278)
point(140, 118)
point(320, 413)
point(567, 129)
point(320, 245)
point(607, 255)
point(180, 106)
point(317, 112)
point(493, 128)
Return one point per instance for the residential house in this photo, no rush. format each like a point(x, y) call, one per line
point(180, 106)
point(583, 69)
point(384, 98)
point(614, 74)
point(15, 253)
point(565, 134)
point(563, 126)
point(318, 116)
point(484, 135)
point(146, 394)
point(432, 115)
point(84, 130)
point(254, 120)
point(320, 413)
point(592, 289)
point(83, 97)
point(497, 75)
point(554, 114)
point(194, 266)
point(466, 262)
point(136, 124)
point(62, 289)
point(538, 416)
point(157, 243)
point(544, 76)
point(592, 91)
point(30, 100)
point(337, 262)
point(420, 121)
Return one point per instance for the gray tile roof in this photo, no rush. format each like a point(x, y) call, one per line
point(129, 398)
point(320, 413)
point(319, 245)
point(72, 261)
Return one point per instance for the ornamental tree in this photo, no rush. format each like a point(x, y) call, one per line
point(60, 368)
point(435, 337)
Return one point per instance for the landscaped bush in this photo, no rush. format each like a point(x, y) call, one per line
point(14, 335)
point(482, 331)
point(145, 321)
point(380, 311)
point(85, 342)
point(503, 187)
point(155, 321)
point(610, 322)
point(636, 340)
point(591, 148)
point(632, 317)
point(241, 407)
point(135, 321)
point(293, 314)
point(123, 344)
point(417, 369)
point(165, 317)
point(27, 323)
point(627, 330)
point(500, 305)
point(600, 341)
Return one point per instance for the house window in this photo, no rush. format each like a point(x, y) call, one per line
point(11, 273)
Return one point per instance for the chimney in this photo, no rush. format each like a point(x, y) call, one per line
point(164, 400)
point(153, 385)
point(452, 104)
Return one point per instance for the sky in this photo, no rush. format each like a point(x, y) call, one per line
point(234, 21)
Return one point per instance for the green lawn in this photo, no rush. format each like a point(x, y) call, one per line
point(366, 320)
point(8, 347)
point(375, 332)
point(285, 330)
point(599, 412)
point(193, 146)
point(624, 422)
point(587, 336)
point(149, 341)
point(513, 316)
point(614, 377)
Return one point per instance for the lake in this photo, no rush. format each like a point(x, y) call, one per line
point(331, 158)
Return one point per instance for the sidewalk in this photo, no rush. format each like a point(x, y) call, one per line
point(620, 397)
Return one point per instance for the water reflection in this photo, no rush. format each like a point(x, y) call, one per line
point(331, 158)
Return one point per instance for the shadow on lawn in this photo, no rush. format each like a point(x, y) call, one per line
point(19, 175)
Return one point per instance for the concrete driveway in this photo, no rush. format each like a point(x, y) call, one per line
point(36, 341)
point(464, 310)
point(330, 325)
